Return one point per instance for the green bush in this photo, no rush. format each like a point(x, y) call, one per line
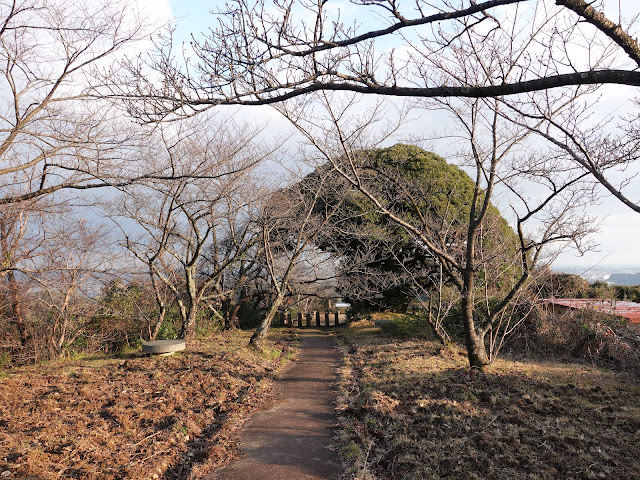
point(168, 329)
point(631, 294)
point(206, 325)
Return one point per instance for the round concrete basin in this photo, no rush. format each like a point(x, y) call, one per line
point(165, 347)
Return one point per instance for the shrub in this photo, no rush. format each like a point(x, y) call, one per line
point(584, 335)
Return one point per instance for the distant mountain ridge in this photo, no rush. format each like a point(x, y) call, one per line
point(624, 279)
point(623, 275)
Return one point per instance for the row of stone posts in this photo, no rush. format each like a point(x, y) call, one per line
point(311, 319)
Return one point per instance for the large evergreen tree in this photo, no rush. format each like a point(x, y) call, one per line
point(380, 263)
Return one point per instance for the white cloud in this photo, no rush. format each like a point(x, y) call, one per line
point(156, 12)
point(619, 231)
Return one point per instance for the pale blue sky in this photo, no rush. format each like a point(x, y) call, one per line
point(619, 226)
point(192, 16)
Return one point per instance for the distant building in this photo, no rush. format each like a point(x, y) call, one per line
point(628, 310)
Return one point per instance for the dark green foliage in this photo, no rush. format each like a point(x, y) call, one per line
point(631, 294)
point(169, 329)
point(613, 292)
point(422, 184)
point(601, 290)
point(251, 312)
point(120, 318)
point(125, 314)
point(380, 257)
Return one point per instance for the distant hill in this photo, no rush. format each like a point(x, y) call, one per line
point(624, 279)
point(604, 273)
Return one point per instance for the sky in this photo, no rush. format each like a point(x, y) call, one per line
point(619, 227)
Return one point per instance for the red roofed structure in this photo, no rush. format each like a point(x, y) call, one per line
point(628, 310)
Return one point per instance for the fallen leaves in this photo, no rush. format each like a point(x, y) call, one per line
point(110, 418)
point(406, 411)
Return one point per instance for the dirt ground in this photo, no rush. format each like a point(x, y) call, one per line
point(408, 411)
point(134, 417)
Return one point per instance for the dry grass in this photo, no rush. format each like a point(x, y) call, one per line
point(410, 411)
point(134, 418)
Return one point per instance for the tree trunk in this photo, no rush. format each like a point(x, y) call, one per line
point(233, 321)
point(63, 321)
point(162, 307)
point(58, 343)
point(226, 314)
point(437, 330)
point(159, 321)
point(188, 325)
point(263, 328)
point(17, 318)
point(476, 350)
point(231, 313)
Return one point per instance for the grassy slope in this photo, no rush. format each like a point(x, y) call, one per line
point(409, 411)
point(134, 418)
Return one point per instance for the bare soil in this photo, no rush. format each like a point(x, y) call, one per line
point(135, 417)
point(411, 411)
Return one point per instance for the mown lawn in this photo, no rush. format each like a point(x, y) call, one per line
point(409, 411)
point(135, 417)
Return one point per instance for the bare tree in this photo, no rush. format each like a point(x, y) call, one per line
point(479, 51)
point(604, 153)
point(486, 267)
point(196, 219)
point(290, 227)
point(52, 261)
point(53, 133)
point(66, 281)
point(22, 239)
point(261, 54)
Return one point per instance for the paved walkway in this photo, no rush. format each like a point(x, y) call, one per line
point(289, 441)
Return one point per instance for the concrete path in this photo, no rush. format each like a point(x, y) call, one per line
point(290, 440)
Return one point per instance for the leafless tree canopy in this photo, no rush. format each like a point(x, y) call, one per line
point(534, 55)
point(488, 274)
point(259, 52)
point(194, 223)
point(512, 74)
point(291, 224)
point(53, 134)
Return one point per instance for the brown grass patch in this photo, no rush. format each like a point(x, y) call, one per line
point(411, 411)
point(137, 417)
